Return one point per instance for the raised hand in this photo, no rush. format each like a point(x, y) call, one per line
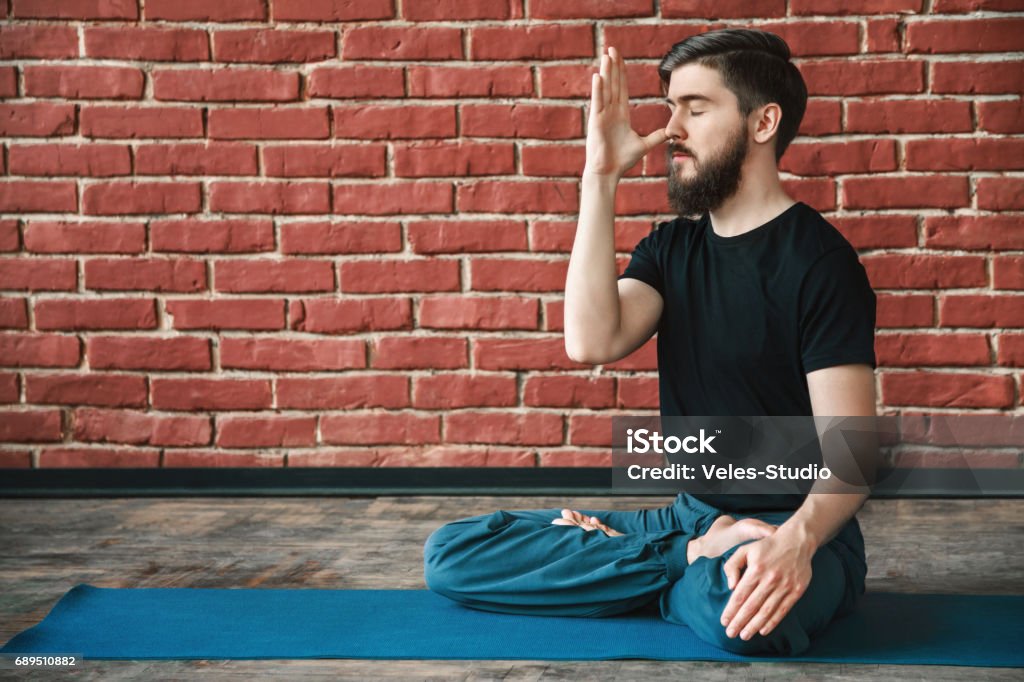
point(574, 518)
point(613, 147)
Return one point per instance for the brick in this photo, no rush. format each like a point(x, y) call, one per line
point(373, 429)
point(131, 198)
point(30, 426)
point(919, 350)
point(392, 198)
point(292, 355)
point(546, 122)
point(352, 316)
point(1001, 116)
point(21, 196)
point(730, 8)
point(272, 46)
point(332, 10)
point(38, 42)
point(581, 9)
point(573, 81)
point(429, 456)
point(535, 352)
point(402, 42)
point(418, 352)
point(38, 119)
point(451, 391)
point(586, 429)
point(460, 10)
point(268, 432)
point(13, 313)
point(569, 391)
point(878, 231)
point(272, 276)
point(8, 84)
point(460, 81)
point(637, 393)
point(334, 161)
point(1011, 350)
point(965, 6)
point(947, 390)
point(929, 191)
point(39, 350)
point(217, 459)
point(478, 312)
point(977, 77)
point(558, 235)
point(83, 82)
point(270, 197)
point(910, 310)
point(883, 35)
point(240, 235)
point(151, 44)
point(96, 160)
point(575, 458)
point(385, 122)
point(925, 271)
point(75, 9)
point(344, 392)
point(533, 428)
point(645, 197)
point(208, 158)
point(268, 123)
point(964, 35)
point(357, 81)
point(395, 276)
point(200, 10)
point(98, 458)
point(178, 353)
point(145, 274)
point(235, 313)
point(908, 116)
point(1000, 194)
point(466, 236)
point(16, 459)
point(839, 8)
point(554, 314)
point(551, 160)
point(232, 84)
point(648, 40)
point(92, 237)
point(341, 237)
point(105, 390)
point(508, 196)
point(211, 394)
point(1008, 272)
point(964, 154)
point(38, 274)
point(538, 41)
point(859, 156)
point(974, 232)
point(868, 77)
point(141, 122)
point(822, 117)
point(9, 237)
point(816, 38)
point(981, 311)
point(67, 314)
point(444, 159)
point(138, 428)
point(10, 391)
point(507, 274)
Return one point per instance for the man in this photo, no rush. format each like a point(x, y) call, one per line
point(761, 308)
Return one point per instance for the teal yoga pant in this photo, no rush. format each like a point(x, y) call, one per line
point(519, 562)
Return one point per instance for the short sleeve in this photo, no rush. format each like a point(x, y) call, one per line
point(645, 263)
point(837, 313)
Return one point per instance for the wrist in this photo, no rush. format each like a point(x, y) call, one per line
point(801, 533)
point(605, 180)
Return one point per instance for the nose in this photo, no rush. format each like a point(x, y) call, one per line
point(675, 128)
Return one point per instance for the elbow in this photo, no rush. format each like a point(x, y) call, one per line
point(579, 353)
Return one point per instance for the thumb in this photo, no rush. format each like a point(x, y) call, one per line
point(659, 136)
point(734, 565)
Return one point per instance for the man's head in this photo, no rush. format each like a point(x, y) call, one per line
point(726, 90)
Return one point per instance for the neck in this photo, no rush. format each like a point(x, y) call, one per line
point(760, 198)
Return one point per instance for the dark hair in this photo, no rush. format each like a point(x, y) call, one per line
point(754, 65)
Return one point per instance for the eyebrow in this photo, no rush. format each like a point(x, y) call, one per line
point(687, 98)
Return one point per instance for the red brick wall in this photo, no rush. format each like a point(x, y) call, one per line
point(325, 232)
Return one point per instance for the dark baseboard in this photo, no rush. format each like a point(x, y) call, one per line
point(352, 481)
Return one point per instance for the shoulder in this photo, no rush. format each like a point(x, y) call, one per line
point(667, 232)
point(815, 240)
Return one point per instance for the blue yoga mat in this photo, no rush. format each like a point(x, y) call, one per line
point(193, 623)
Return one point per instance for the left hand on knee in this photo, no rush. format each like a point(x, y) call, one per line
point(574, 518)
point(777, 573)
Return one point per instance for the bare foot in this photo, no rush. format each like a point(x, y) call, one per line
point(725, 533)
point(574, 518)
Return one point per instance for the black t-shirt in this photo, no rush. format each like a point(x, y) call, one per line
point(745, 318)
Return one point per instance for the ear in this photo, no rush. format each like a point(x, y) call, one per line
point(766, 121)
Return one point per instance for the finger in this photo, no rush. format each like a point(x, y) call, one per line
point(570, 515)
point(768, 608)
point(564, 522)
point(659, 136)
point(780, 613)
point(751, 605)
point(734, 566)
point(613, 77)
point(623, 87)
point(596, 101)
point(605, 85)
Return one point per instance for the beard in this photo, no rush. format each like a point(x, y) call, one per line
point(716, 180)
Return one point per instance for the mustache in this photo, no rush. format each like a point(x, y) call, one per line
point(674, 149)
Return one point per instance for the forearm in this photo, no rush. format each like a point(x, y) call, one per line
point(592, 314)
point(822, 516)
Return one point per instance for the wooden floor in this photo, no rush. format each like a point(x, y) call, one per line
point(49, 545)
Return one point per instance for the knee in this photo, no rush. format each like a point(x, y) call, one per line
point(437, 559)
point(447, 548)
